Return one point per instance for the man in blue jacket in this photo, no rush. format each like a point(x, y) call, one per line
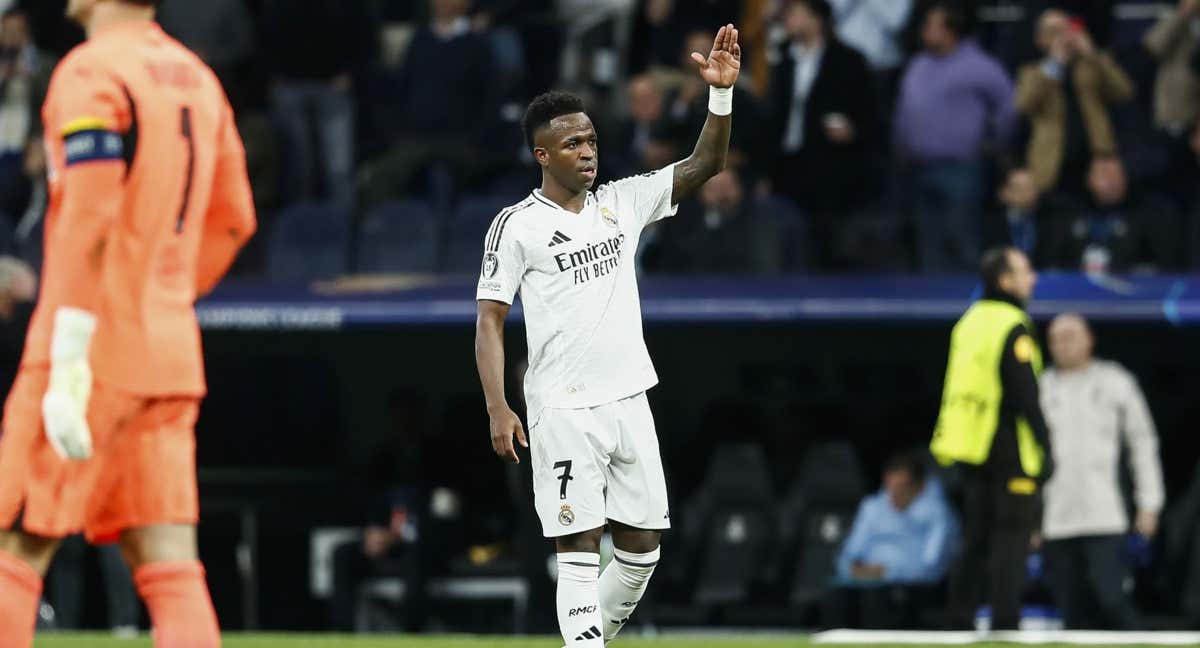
point(902, 541)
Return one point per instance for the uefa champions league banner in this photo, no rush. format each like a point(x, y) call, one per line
point(400, 301)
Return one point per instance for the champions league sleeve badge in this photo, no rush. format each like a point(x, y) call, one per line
point(491, 264)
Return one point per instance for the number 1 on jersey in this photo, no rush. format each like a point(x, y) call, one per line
point(185, 129)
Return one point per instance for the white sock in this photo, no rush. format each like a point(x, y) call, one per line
point(579, 600)
point(622, 586)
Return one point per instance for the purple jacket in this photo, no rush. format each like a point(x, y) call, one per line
point(950, 105)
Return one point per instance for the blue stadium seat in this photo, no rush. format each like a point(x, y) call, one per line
point(308, 241)
point(464, 245)
point(399, 237)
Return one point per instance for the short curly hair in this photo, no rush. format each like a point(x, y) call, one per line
point(546, 107)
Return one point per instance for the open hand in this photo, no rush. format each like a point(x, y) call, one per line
point(724, 63)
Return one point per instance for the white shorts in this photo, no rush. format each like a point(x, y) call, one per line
point(597, 464)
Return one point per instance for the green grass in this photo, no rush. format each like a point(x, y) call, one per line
point(78, 640)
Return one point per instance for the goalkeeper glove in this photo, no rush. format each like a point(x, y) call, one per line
point(64, 407)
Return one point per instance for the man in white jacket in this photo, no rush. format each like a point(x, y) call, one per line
point(1093, 406)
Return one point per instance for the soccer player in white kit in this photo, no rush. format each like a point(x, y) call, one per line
point(570, 253)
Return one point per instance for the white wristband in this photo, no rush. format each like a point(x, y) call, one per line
point(73, 329)
point(720, 101)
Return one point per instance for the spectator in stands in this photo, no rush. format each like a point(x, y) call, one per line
point(1115, 227)
point(666, 25)
point(722, 233)
point(1094, 408)
point(314, 49)
point(633, 146)
point(441, 108)
point(540, 35)
point(1019, 201)
point(1175, 42)
point(824, 120)
point(1068, 97)
point(24, 76)
point(26, 207)
point(444, 82)
point(876, 28)
point(220, 32)
point(905, 535)
point(953, 98)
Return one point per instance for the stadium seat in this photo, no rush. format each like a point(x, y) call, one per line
point(468, 226)
point(731, 524)
point(308, 241)
point(399, 237)
point(816, 517)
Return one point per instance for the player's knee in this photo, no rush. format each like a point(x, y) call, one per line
point(582, 542)
point(36, 551)
point(639, 541)
point(159, 543)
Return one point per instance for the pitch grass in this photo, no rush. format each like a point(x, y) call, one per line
point(85, 640)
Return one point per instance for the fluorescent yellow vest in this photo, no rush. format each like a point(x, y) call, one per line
point(971, 397)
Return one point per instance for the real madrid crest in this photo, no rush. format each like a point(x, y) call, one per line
point(608, 217)
point(566, 516)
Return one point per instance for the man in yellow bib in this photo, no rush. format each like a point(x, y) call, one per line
point(991, 428)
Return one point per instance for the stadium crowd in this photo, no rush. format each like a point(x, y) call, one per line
point(881, 135)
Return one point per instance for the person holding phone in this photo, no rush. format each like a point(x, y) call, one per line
point(1068, 96)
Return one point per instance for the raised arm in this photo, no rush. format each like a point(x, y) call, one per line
point(720, 70)
point(489, 358)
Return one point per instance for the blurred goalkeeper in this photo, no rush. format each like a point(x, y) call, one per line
point(149, 204)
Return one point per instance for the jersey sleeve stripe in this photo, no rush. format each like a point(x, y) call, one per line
point(503, 224)
point(497, 228)
point(491, 235)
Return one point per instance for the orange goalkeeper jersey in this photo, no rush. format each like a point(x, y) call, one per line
point(149, 204)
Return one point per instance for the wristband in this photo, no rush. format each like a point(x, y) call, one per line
point(73, 329)
point(720, 101)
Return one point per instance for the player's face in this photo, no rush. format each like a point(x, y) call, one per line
point(567, 150)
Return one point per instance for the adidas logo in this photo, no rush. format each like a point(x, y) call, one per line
point(590, 633)
point(559, 237)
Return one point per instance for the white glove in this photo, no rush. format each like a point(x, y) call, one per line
point(64, 407)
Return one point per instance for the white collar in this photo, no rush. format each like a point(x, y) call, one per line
point(538, 196)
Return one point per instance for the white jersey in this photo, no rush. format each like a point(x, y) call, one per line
point(578, 285)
